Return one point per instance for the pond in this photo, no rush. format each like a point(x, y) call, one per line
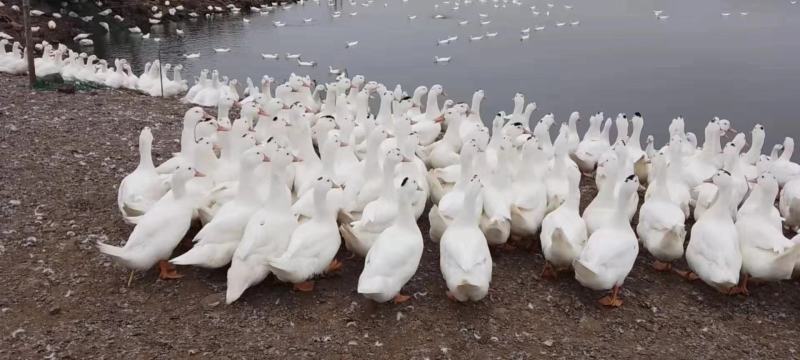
point(690, 60)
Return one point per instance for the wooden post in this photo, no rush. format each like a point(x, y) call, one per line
point(26, 22)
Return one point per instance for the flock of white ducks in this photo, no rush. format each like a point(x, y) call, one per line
point(281, 187)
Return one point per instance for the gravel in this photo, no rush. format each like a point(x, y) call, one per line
point(64, 155)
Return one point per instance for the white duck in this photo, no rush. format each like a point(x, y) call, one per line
point(610, 251)
point(498, 193)
point(191, 118)
point(464, 256)
point(563, 233)
point(754, 152)
point(556, 180)
point(783, 167)
point(444, 152)
point(766, 253)
point(449, 206)
point(313, 245)
point(595, 142)
point(218, 239)
point(789, 203)
point(142, 188)
point(602, 209)
point(394, 257)
point(267, 232)
point(713, 253)
point(661, 221)
point(529, 197)
point(378, 215)
point(158, 231)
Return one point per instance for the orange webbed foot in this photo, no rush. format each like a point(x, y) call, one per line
point(661, 266)
point(548, 272)
point(688, 275)
point(305, 286)
point(166, 271)
point(400, 298)
point(334, 266)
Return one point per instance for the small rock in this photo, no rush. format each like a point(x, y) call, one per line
point(30, 241)
point(193, 351)
point(17, 332)
point(548, 343)
point(54, 310)
point(15, 202)
point(212, 300)
point(67, 89)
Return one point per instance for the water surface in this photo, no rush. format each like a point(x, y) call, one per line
point(620, 58)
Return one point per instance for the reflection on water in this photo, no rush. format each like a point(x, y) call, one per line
point(620, 58)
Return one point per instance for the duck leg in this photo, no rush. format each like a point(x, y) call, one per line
point(400, 298)
point(686, 274)
point(450, 296)
point(334, 266)
point(305, 286)
point(612, 300)
point(661, 266)
point(548, 272)
point(130, 278)
point(742, 288)
point(166, 271)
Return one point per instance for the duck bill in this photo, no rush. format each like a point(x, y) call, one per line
point(207, 116)
point(296, 158)
point(439, 119)
point(199, 174)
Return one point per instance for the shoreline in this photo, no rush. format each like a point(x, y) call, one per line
point(66, 153)
point(134, 13)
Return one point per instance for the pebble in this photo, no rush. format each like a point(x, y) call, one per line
point(15, 202)
point(54, 310)
point(30, 241)
point(548, 343)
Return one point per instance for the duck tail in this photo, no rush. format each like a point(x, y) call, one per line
point(242, 275)
point(202, 255)
point(560, 241)
point(111, 250)
point(371, 284)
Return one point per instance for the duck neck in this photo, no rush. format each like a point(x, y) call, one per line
point(188, 136)
point(405, 212)
point(754, 152)
point(476, 105)
point(432, 109)
point(387, 181)
point(467, 216)
point(322, 212)
point(247, 183)
point(179, 188)
point(788, 149)
point(384, 113)
point(451, 134)
point(721, 206)
point(145, 156)
point(620, 220)
point(634, 140)
point(371, 165)
point(205, 161)
point(662, 190)
point(278, 194)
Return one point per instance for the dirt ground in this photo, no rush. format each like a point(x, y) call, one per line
point(62, 158)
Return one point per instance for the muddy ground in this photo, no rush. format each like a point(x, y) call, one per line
point(62, 158)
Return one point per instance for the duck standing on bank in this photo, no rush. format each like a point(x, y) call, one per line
point(611, 250)
point(158, 231)
point(394, 257)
